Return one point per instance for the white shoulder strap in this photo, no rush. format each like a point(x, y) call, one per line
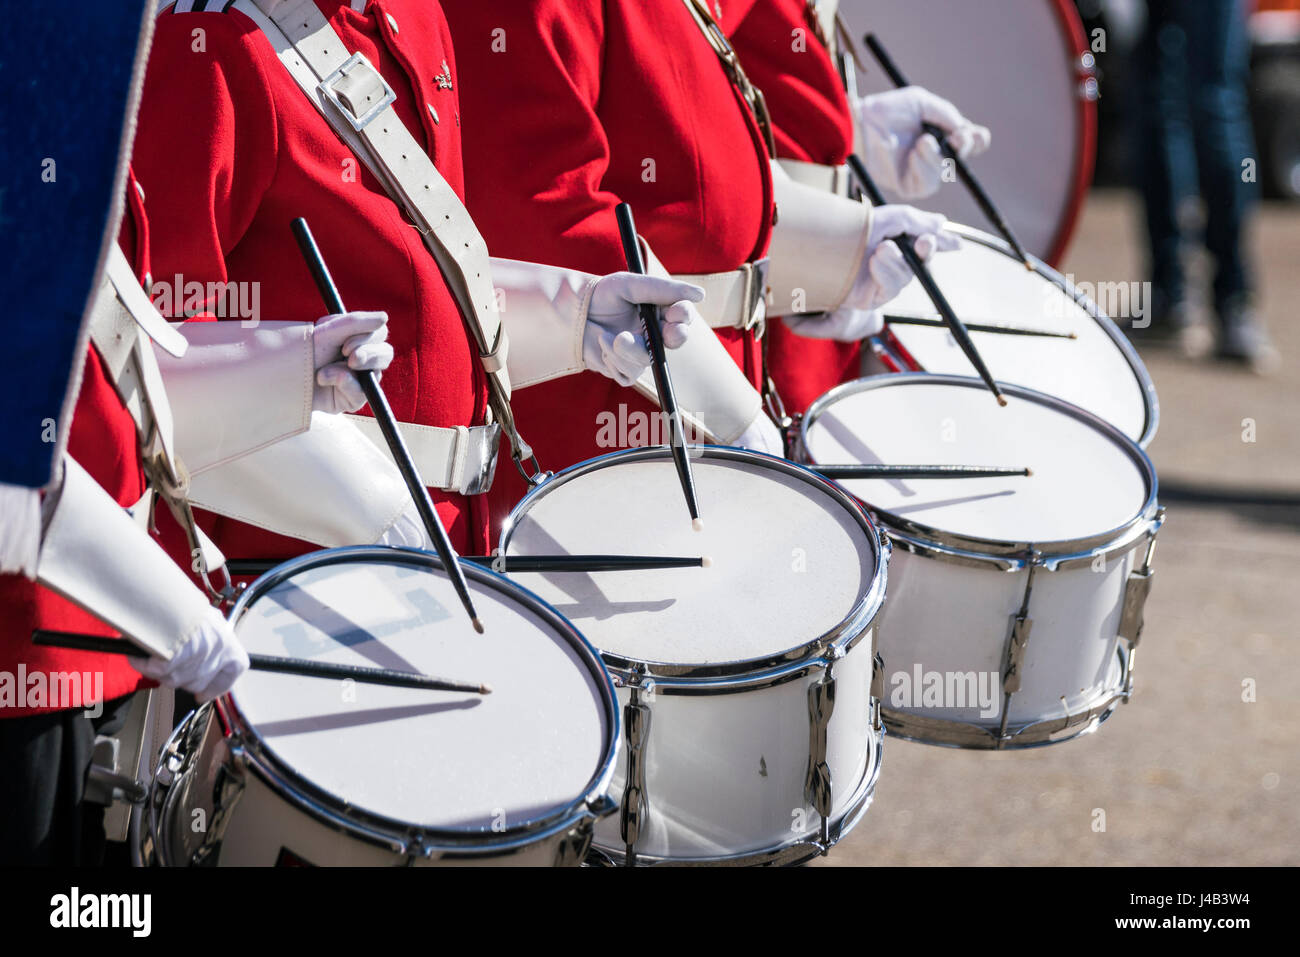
point(358, 103)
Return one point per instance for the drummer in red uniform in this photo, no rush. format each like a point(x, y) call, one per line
point(574, 107)
point(231, 150)
point(786, 47)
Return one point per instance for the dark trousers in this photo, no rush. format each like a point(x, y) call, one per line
point(1192, 67)
point(44, 760)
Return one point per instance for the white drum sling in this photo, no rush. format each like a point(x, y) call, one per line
point(751, 731)
point(306, 771)
point(1009, 596)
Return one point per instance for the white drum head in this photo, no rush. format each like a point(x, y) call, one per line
point(439, 760)
point(791, 560)
point(1010, 65)
point(986, 285)
point(1087, 480)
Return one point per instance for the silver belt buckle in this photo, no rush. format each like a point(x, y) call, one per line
point(354, 84)
point(486, 467)
point(754, 300)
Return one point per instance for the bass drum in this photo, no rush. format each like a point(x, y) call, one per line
point(979, 55)
point(1098, 370)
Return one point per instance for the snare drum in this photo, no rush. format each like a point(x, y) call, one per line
point(751, 731)
point(305, 771)
point(1009, 596)
point(1099, 371)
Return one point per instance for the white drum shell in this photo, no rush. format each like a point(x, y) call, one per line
point(954, 618)
point(727, 757)
point(727, 773)
point(261, 822)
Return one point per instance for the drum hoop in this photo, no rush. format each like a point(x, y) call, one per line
point(1146, 385)
point(746, 674)
point(963, 735)
point(786, 855)
point(917, 537)
point(332, 810)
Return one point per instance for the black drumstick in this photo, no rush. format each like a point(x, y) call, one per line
point(388, 426)
point(523, 563)
point(906, 247)
point(964, 173)
point(654, 337)
point(980, 327)
point(865, 471)
point(279, 665)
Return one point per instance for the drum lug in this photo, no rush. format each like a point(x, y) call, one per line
point(877, 690)
point(636, 804)
point(1136, 590)
point(1021, 626)
point(818, 785)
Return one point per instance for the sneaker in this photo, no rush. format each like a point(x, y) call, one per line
point(1242, 338)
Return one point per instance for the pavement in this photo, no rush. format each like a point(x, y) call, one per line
point(1202, 767)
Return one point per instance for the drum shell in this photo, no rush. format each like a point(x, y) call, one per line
point(727, 765)
point(953, 618)
point(258, 821)
point(728, 745)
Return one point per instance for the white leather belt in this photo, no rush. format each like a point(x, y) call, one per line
point(461, 459)
point(829, 179)
point(735, 299)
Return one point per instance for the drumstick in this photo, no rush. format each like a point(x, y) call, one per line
point(524, 563)
point(964, 173)
point(905, 246)
point(272, 663)
point(981, 327)
point(388, 426)
point(865, 471)
point(654, 337)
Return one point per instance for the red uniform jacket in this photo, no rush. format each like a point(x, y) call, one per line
point(573, 106)
point(102, 439)
point(811, 121)
point(230, 151)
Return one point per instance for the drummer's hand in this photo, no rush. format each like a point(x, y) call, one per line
point(884, 271)
point(761, 435)
point(902, 158)
point(207, 665)
point(612, 343)
point(842, 325)
point(343, 344)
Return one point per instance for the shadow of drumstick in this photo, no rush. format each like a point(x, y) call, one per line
point(941, 503)
point(342, 629)
point(589, 600)
point(334, 721)
point(858, 450)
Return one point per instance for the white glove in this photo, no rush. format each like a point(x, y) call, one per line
point(407, 532)
point(761, 435)
point(207, 665)
point(842, 325)
point(341, 344)
point(20, 530)
point(899, 155)
point(884, 271)
point(612, 343)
